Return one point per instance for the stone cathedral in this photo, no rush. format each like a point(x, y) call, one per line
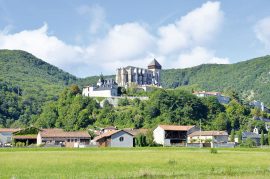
point(140, 76)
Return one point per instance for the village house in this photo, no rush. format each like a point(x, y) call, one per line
point(255, 136)
point(6, 136)
point(205, 136)
point(115, 138)
point(173, 135)
point(221, 98)
point(59, 137)
point(209, 139)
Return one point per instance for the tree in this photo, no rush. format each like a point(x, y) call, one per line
point(239, 136)
point(232, 136)
point(74, 89)
point(268, 137)
point(262, 138)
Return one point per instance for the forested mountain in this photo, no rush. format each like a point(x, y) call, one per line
point(249, 78)
point(30, 86)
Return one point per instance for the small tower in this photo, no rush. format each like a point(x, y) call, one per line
point(156, 68)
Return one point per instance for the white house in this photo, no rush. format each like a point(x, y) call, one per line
point(6, 135)
point(208, 136)
point(221, 98)
point(104, 88)
point(116, 138)
point(172, 135)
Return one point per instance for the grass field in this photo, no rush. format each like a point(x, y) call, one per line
point(136, 163)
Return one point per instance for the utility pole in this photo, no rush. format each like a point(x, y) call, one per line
point(200, 133)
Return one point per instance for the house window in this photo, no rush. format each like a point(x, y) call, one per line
point(68, 140)
point(121, 139)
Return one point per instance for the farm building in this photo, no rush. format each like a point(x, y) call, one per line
point(212, 136)
point(173, 135)
point(27, 136)
point(6, 135)
point(116, 138)
point(59, 137)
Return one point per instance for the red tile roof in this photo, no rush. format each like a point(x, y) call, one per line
point(9, 130)
point(50, 133)
point(208, 133)
point(175, 127)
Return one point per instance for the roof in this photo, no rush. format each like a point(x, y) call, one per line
point(50, 133)
point(208, 133)
point(175, 127)
point(25, 136)
point(155, 64)
point(250, 135)
point(9, 129)
point(135, 132)
point(109, 134)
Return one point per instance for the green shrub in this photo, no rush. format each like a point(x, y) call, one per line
point(213, 151)
point(20, 144)
point(248, 143)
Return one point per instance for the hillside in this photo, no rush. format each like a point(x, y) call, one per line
point(250, 78)
point(32, 74)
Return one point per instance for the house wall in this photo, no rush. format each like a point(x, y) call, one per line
point(39, 139)
point(127, 142)
point(216, 139)
point(5, 137)
point(89, 91)
point(159, 135)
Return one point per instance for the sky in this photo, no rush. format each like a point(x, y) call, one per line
point(90, 37)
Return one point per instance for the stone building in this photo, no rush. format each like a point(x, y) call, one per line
point(139, 76)
point(104, 88)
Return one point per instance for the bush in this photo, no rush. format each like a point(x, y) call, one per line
point(213, 151)
point(248, 143)
point(20, 144)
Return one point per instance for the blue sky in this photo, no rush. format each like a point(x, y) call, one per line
point(91, 37)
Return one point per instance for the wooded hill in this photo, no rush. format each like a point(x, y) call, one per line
point(28, 84)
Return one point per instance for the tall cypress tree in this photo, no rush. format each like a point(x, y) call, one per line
point(262, 138)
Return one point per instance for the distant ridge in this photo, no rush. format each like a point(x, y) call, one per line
point(250, 78)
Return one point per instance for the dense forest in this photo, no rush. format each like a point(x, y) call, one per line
point(35, 92)
point(72, 111)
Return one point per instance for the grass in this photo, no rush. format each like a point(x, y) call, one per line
point(134, 163)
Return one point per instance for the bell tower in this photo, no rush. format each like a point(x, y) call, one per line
point(156, 68)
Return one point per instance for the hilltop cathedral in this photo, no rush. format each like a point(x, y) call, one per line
point(139, 76)
point(143, 78)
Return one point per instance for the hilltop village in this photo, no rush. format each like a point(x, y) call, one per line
point(113, 92)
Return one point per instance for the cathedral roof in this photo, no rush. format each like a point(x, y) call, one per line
point(154, 64)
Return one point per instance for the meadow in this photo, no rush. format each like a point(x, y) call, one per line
point(134, 163)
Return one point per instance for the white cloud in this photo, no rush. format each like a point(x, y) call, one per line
point(177, 45)
point(96, 15)
point(197, 56)
point(124, 43)
point(262, 30)
point(196, 28)
point(39, 43)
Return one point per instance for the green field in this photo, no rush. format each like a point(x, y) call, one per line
point(136, 162)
